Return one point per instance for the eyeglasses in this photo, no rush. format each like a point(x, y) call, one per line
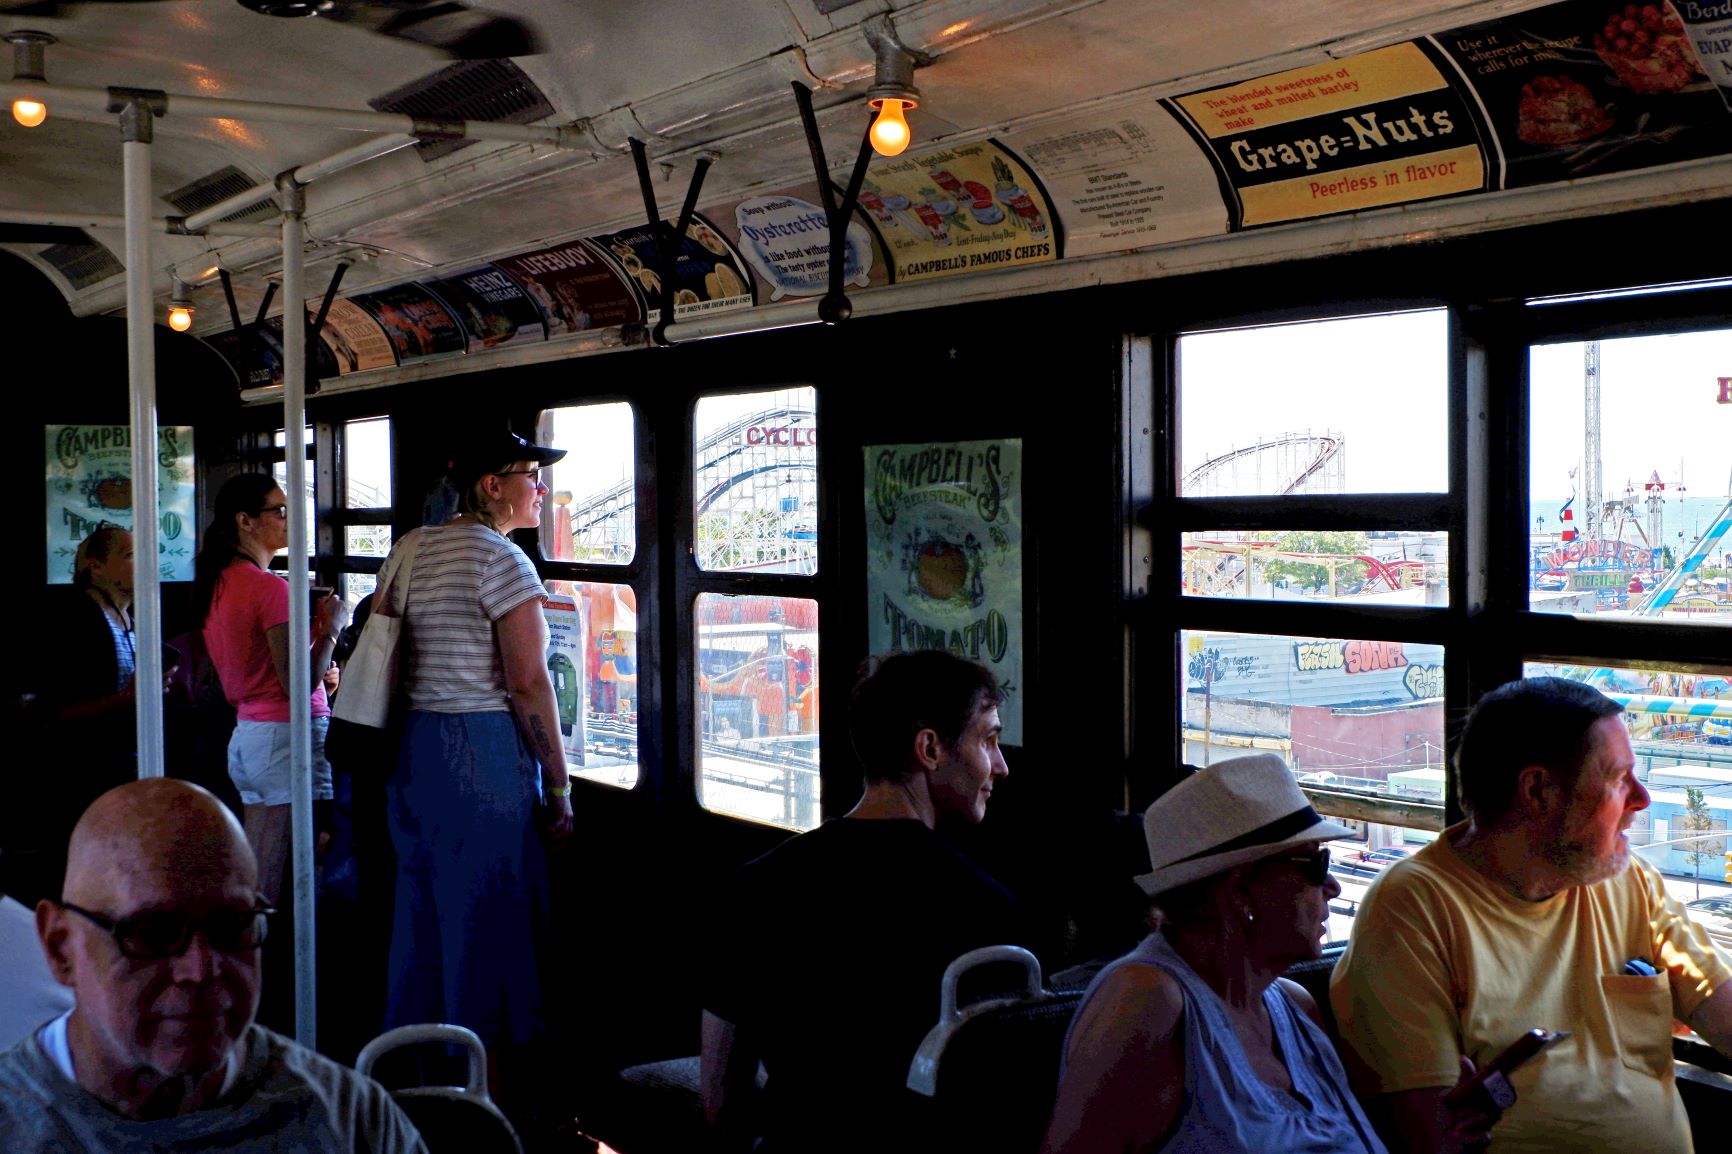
point(1314, 865)
point(537, 482)
point(280, 512)
point(153, 936)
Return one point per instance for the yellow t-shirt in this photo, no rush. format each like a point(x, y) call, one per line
point(1443, 962)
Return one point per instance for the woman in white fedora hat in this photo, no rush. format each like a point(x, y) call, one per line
point(1193, 1041)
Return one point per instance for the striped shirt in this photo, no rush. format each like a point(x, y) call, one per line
point(465, 578)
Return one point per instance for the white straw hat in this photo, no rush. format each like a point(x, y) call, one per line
point(1234, 812)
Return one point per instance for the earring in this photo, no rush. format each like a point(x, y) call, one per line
point(1250, 917)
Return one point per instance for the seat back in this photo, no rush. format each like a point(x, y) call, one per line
point(455, 1119)
point(991, 1068)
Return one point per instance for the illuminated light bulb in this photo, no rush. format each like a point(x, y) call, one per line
point(29, 113)
point(890, 134)
point(180, 318)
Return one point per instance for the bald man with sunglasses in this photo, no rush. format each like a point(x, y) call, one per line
point(158, 933)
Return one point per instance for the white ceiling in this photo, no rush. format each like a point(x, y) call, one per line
point(686, 76)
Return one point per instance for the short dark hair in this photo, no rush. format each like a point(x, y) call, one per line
point(899, 695)
point(1542, 721)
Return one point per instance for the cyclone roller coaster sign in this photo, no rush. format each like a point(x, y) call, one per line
point(944, 557)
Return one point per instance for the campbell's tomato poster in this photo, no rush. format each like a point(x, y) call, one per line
point(957, 210)
point(1590, 87)
point(944, 556)
point(1381, 127)
point(89, 481)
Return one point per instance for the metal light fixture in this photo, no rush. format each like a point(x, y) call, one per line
point(892, 93)
point(27, 64)
point(180, 308)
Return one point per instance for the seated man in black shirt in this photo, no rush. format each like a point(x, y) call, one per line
point(833, 945)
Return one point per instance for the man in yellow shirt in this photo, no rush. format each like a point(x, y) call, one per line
point(1532, 913)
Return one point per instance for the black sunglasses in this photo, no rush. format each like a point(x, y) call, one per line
point(281, 512)
point(153, 936)
point(1314, 865)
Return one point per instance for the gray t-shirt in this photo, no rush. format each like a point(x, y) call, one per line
point(287, 1099)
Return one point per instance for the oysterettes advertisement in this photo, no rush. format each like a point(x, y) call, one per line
point(944, 557)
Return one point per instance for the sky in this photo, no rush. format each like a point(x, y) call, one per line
point(1382, 383)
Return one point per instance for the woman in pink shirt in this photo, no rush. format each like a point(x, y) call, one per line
point(245, 609)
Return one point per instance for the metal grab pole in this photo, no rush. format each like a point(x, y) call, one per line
point(294, 202)
point(135, 136)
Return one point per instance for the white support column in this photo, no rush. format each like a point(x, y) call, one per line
point(136, 123)
point(294, 203)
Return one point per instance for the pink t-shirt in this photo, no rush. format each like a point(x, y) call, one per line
point(248, 601)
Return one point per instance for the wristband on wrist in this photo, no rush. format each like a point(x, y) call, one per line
point(560, 790)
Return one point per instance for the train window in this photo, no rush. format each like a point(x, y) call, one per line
point(367, 464)
point(593, 659)
point(1628, 510)
point(1385, 568)
point(757, 699)
point(1275, 410)
point(593, 514)
point(755, 498)
point(1681, 732)
point(280, 473)
point(1360, 723)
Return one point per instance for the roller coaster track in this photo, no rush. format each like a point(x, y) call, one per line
point(1327, 445)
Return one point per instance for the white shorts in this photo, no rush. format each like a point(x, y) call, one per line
point(259, 761)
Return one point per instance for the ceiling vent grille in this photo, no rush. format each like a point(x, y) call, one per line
point(825, 7)
point(217, 187)
point(495, 90)
point(83, 264)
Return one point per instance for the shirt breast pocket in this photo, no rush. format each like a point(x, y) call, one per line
point(1641, 1011)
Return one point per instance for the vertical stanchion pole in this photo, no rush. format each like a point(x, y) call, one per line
point(294, 202)
point(136, 124)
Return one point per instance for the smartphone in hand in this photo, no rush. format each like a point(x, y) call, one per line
point(1492, 1079)
point(317, 593)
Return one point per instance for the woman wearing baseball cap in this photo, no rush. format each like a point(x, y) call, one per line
point(1193, 1041)
point(481, 759)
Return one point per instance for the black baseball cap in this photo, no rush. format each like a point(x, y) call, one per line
point(493, 450)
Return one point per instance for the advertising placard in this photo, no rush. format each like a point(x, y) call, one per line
point(418, 325)
point(1584, 88)
point(89, 474)
point(355, 339)
point(1709, 25)
point(565, 662)
point(708, 273)
point(491, 307)
point(957, 210)
point(574, 287)
point(1124, 179)
point(944, 557)
point(1382, 127)
point(785, 240)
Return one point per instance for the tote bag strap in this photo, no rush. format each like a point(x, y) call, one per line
point(402, 560)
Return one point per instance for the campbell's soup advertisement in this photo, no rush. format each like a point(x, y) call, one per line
point(957, 210)
point(575, 288)
point(708, 274)
point(1379, 128)
point(944, 557)
point(89, 470)
point(1590, 87)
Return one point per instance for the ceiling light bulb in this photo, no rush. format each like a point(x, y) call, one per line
point(890, 133)
point(29, 113)
point(180, 318)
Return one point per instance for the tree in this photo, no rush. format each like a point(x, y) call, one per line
point(1312, 574)
point(1697, 820)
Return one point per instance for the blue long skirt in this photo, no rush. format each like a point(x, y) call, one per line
point(471, 906)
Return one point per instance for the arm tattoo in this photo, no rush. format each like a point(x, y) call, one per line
point(546, 751)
